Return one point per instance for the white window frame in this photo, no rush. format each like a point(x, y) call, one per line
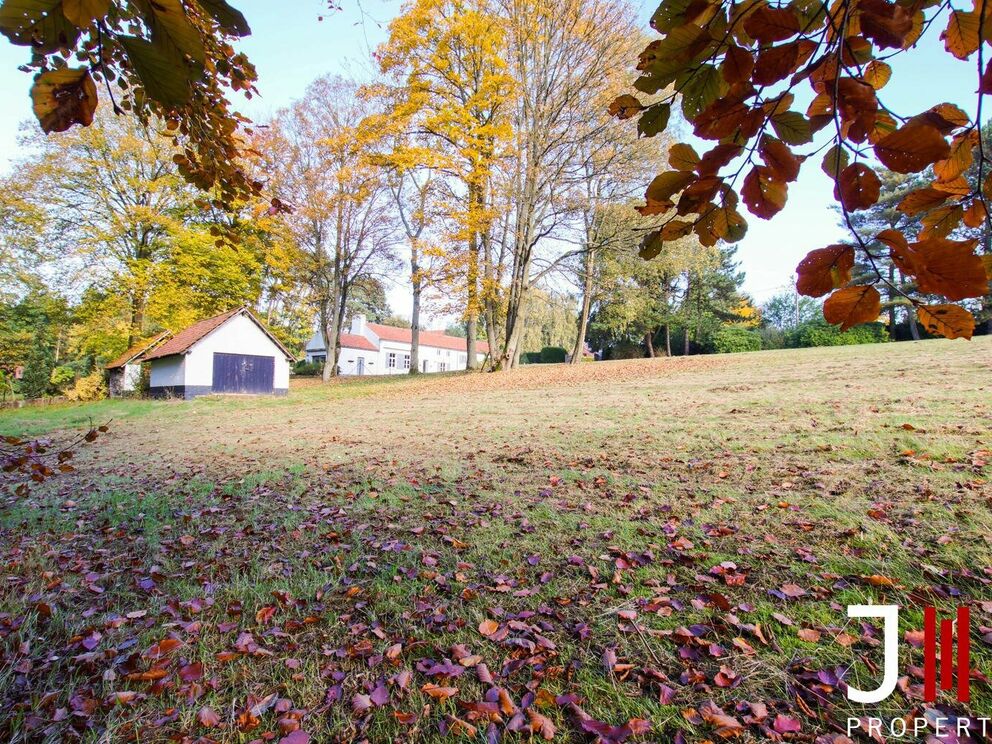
point(391, 360)
point(406, 361)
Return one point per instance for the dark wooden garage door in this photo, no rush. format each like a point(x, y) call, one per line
point(243, 373)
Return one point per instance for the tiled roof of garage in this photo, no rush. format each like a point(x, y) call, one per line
point(182, 341)
point(137, 350)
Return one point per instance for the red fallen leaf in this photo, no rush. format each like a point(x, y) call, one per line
point(361, 704)
point(506, 703)
point(809, 635)
point(404, 717)
point(265, 614)
point(191, 672)
point(150, 676)
point(726, 726)
point(296, 737)
point(438, 692)
point(793, 591)
point(541, 724)
point(914, 638)
point(786, 724)
point(725, 677)
point(488, 627)
point(124, 697)
point(207, 717)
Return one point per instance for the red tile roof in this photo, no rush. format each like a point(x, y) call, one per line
point(354, 341)
point(137, 350)
point(436, 339)
point(182, 341)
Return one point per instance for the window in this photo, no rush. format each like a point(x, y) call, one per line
point(442, 367)
point(391, 360)
point(448, 353)
point(406, 361)
point(319, 358)
point(439, 352)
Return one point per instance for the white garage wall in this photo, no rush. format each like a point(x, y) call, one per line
point(239, 335)
point(167, 371)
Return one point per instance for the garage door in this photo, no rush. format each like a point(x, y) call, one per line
point(243, 373)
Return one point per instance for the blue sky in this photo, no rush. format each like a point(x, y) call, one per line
point(290, 47)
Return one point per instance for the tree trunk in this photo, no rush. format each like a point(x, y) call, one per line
point(668, 340)
point(580, 340)
point(650, 343)
point(914, 330)
point(415, 318)
point(332, 323)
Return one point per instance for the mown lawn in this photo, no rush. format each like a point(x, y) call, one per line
point(653, 550)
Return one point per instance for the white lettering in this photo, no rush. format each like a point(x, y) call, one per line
point(898, 727)
point(853, 724)
point(875, 726)
point(890, 613)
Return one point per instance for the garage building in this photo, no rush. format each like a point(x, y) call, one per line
point(230, 353)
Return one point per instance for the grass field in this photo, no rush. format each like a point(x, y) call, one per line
point(651, 550)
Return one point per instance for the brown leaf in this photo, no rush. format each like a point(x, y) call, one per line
point(488, 627)
point(858, 187)
point(764, 195)
point(625, 106)
point(782, 162)
point(852, 306)
point(961, 37)
point(825, 269)
point(207, 717)
point(766, 24)
point(62, 98)
point(438, 692)
point(949, 321)
point(948, 267)
point(912, 147)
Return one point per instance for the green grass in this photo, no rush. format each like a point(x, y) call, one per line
point(346, 520)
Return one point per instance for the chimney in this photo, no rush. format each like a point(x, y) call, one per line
point(358, 324)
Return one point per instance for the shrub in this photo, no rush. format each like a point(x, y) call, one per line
point(735, 339)
point(91, 387)
point(308, 369)
point(821, 333)
point(530, 357)
point(553, 355)
point(61, 377)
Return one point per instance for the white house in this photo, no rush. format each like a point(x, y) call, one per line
point(124, 373)
point(229, 353)
point(376, 349)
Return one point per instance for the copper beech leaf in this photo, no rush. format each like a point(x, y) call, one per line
point(764, 195)
point(949, 321)
point(64, 97)
point(858, 187)
point(625, 106)
point(825, 269)
point(949, 268)
point(852, 306)
point(84, 12)
point(912, 147)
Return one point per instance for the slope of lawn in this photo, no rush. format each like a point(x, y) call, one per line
point(656, 550)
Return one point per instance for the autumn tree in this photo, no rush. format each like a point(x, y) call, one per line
point(736, 69)
point(445, 62)
point(563, 57)
point(341, 218)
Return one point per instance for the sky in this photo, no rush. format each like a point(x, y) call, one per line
point(290, 47)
